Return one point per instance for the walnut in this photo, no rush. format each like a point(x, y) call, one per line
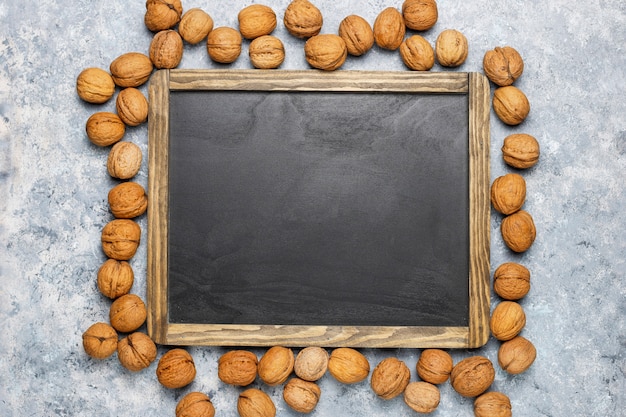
point(256, 20)
point(255, 403)
point(120, 239)
point(166, 49)
point(276, 365)
point(492, 404)
point(420, 14)
point(472, 376)
point(520, 150)
point(516, 355)
point(389, 29)
point(326, 52)
point(100, 340)
point(422, 397)
point(127, 313)
point(503, 65)
point(237, 367)
point(162, 14)
point(195, 404)
point(302, 19)
point(511, 105)
point(507, 320)
point(224, 45)
point(451, 48)
point(266, 52)
point(176, 369)
point(115, 278)
point(348, 365)
point(311, 363)
point(518, 231)
point(136, 351)
point(511, 281)
point(417, 54)
point(389, 378)
point(105, 128)
point(128, 200)
point(95, 85)
point(302, 396)
point(508, 193)
point(132, 106)
point(434, 366)
point(124, 160)
point(357, 33)
point(195, 25)
point(131, 69)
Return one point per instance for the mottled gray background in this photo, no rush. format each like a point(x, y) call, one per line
point(53, 187)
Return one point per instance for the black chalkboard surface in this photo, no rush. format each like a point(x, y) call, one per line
point(324, 211)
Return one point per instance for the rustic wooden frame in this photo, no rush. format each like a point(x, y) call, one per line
point(473, 84)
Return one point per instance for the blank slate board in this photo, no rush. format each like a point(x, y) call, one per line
point(304, 208)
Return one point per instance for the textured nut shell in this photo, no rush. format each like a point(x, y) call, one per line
point(95, 85)
point(136, 351)
point(518, 231)
point(511, 281)
point(127, 313)
point(100, 340)
point(389, 29)
point(420, 14)
point(266, 52)
point(176, 369)
point(237, 367)
point(302, 396)
point(302, 19)
point(422, 397)
point(510, 105)
point(195, 25)
point(357, 33)
point(434, 366)
point(255, 403)
point(520, 150)
point(120, 239)
point(224, 45)
point(195, 404)
point(451, 48)
point(131, 69)
point(311, 363)
point(492, 404)
point(162, 14)
point(326, 52)
point(132, 106)
point(276, 365)
point(166, 49)
point(508, 193)
point(348, 366)
point(105, 128)
point(256, 20)
point(128, 200)
point(507, 320)
point(503, 65)
point(115, 278)
point(516, 355)
point(124, 160)
point(472, 376)
point(417, 53)
point(389, 378)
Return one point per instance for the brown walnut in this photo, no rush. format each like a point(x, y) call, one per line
point(124, 160)
point(166, 49)
point(434, 366)
point(520, 150)
point(302, 396)
point(420, 14)
point(224, 45)
point(389, 378)
point(105, 128)
point(422, 397)
point(327, 52)
point(311, 363)
point(115, 278)
point(255, 403)
point(162, 14)
point(516, 355)
point(417, 54)
point(100, 340)
point(120, 239)
point(389, 29)
point(266, 52)
point(195, 25)
point(511, 281)
point(492, 404)
point(195, 404)
point(132, 106)
point(127, 313)
point(503, 65)
point(136, 351)
point(348, 365)
point(95, 85)
point(518, 231)
point(302, 19)
point(276, 365)
point(256, 20)
point(176, 369)
point(237, 367)
point(128, 200)
point(357, 33)
point(510, 105)
point(507, 320)
point(131, 69)
point(508, 193)
point(472, 376)
point(451, 48)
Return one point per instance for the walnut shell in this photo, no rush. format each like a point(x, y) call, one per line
point(166, 49)
point(162, 14)
point(451, 48)
point(327, 52)
point(302, 396)
point(132, 106)
point(420, 14)
point(100, 340)
point(131, 69)
point(224, 45)
point(389, 378)
point(518, 231)
point(389, 29)
point(115, 278)
point(503, 65)
point(195, 404)
point(276, 365)
point(511, 281)
point(195, 25)
point(256, 20)
point(507, 320)
point(520, 150)
point(128, 200)
point(510, 105)
point(237, 367)
point(266, 52)
point(255, 403)
point(120, 239)
point(516, 355)
point(492, 404)
point(302, 19)
point(124, 160)
point(105, 128)
point(311, 363)
point(357, 33)
point(127, 313)
point(95, 85)
point(417, 53)
point(422, 397)
point(434, 366)
point(348, 365)
point(508, 193)
point(472, 376)
point(136, 351)
point(176, 369)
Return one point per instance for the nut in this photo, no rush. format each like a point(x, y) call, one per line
point(255, 403)
point(120, 239)
point(302, 396)
point(516, 355)
point(266, 52)
point(100, 340)
point(276, 365)
point(195, 25)
point(237, 367)
point(132, 106)
point(127, 313)
point(507, 320)
point(136, 351)
point(389, 29)
point(224, 45)
point(115, 278)
point(417, 54)
point(511, 281)
point(492, 404)
point(503, 65)
point(195, 404)
point(162, 14)
point(348, 365)
point(326, 52)
point(128, 200)
point(166, 49)
point(434, 366)
point(389, 378)
point(302, 19)
point(124, 160)
point(357, 33)
point(256, 20)
point(176, 369)
point(420, 14)
point(520, 150)
point(95, 85)
point(311, 363)
point(511, 105)
point(105, 128)
point(131, 69)
point(451, 47)
point(422, 397)
point(508, 193)
point(472, 376)
point(518, 231)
